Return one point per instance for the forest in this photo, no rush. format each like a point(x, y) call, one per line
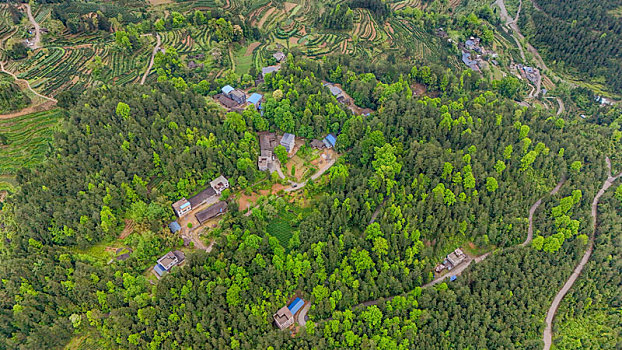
point(579, 38)
point(430, 156)
point(423, 162)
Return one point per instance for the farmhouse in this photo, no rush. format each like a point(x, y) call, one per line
point(288, 141)
point(285, 316)
point(268, 70)
point(166, 263)
point(202, 197)
point(267, 142)
point(466, 58)
point(337, 92)
point(317, 144)
point(234, 94)
point(225, 101)
point(454, 259)
point(219, 184)
point(279, 56)
point(182, 207)
point(263, 163)
point(238, 96)
point(211, 212)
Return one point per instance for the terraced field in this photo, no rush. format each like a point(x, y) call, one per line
point(55, 69)
point(28, 139)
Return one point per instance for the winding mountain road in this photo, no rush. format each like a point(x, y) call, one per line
point(155, 50)
point(457, 271)
point(532, 211)
point(550, 315)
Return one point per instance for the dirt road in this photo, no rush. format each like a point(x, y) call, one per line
point(532, 211)
point(550, 315)
point(155, 50)
point(37, 42)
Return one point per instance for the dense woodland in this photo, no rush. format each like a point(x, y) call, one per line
point(462, 167)
point(458, 165)
point(579, 37)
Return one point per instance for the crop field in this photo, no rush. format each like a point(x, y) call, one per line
point(56, 69)
point(28, 139)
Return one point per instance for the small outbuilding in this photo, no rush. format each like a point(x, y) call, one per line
point(174, 226)
point(329, 141)
point(288, 141)
point(255, 99)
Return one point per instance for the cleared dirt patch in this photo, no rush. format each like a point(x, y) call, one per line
point(159, 2)
point(129, 226)
point(251, 48)
point(289, 6)
point(265, 17)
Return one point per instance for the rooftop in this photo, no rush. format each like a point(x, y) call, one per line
point(255, 98)
point(211, 212)
point(202, 196)
point(168, 260)
point(225, 101)
point(270, 69)
point(174, 226)
point(227, 89)
point(330, 139)
point(296, 305)
point(288, 138)
point(279, 56)
point(219, 184)
point(283, 318)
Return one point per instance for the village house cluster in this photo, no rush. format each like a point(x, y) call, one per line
point(473, 54)
point(210, 195)
point(530, 73)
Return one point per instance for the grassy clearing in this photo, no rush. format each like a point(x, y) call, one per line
point(243, 62)
point(28, 140)
point(281, 227)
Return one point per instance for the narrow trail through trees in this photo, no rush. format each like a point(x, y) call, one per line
point(550, 315)
point(155, 50)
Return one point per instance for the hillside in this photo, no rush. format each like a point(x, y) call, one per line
point(361, 174)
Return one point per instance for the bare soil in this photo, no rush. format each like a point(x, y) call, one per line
point(251, 48)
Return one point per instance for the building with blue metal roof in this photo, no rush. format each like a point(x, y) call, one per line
point(329, 141)
point(296, 305)
point(174, 226)
point(255, 99)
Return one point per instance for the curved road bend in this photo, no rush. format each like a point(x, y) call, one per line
point(532, 211)
point(550, 315)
